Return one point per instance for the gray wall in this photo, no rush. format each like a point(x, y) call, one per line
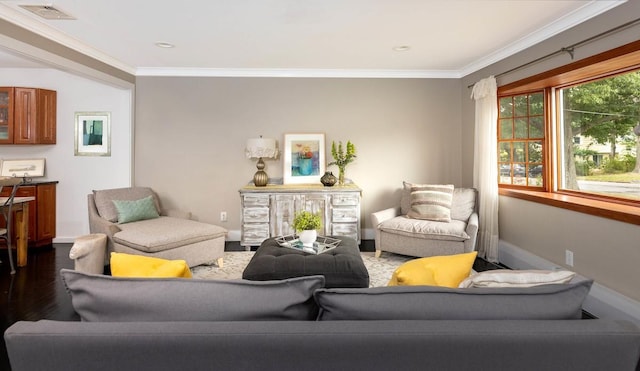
point(605, 250)
point(190, 134)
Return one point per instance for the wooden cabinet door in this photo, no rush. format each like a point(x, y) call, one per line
point(283, 209)
point(46, 211)
point(24, 116)
point(317, 204)
point(46, 120)
point(6, 115)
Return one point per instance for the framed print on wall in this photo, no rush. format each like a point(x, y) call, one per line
point(304, 158)
point(28, 168)
point(93, 134)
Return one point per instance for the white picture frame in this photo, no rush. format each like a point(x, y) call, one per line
point(307, 169)
point(93, 134)
point(22, 168)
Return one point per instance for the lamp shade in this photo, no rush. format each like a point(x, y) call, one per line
point(261, 147)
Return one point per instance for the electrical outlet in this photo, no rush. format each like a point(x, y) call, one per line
point(568, 257)
point(223, 216)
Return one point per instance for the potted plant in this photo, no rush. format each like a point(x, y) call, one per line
point(342, 158)
point(306, 224)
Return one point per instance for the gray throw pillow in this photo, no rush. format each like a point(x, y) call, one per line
point(439, 303)
point(99, 298)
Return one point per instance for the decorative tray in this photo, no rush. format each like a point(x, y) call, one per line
point(322, 244)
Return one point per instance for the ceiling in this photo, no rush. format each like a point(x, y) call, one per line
point(301, 37)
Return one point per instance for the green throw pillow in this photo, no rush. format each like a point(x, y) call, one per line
point(132, 211)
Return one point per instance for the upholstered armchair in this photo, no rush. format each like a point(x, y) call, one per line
point(398, 233)
point(147, 229)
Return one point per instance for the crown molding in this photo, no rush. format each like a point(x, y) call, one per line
point(592, 9)
point(288, 72)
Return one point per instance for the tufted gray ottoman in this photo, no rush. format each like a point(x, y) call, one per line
point(341, 267)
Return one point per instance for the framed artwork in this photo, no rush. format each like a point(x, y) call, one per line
point(93, 134)
point(27, 168)
point(304, 158)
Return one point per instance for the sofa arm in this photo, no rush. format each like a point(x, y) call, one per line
point(380, 216)
point(472, 231)
point(175, 213)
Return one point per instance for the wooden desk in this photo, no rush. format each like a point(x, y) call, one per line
point(21, 223)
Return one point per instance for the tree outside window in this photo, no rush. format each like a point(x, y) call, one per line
point(605, 116)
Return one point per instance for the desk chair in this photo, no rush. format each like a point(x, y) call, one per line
point(7, 214)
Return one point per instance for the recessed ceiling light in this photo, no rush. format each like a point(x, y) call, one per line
point(164, 45)
point(401, 48)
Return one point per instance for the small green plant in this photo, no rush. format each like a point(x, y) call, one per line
point(306, 220)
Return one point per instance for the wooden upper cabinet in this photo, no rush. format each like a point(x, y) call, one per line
point(31, 116)
point(6, 115)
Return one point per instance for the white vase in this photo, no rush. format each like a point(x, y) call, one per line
point(308, 237)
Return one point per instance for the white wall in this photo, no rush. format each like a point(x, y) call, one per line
point(77, 175)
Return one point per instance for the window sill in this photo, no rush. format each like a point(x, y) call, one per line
point(622, 213)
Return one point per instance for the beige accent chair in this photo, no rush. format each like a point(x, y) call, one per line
point(172, 235)
point(397, 233)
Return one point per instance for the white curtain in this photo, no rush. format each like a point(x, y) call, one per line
point(485, 166)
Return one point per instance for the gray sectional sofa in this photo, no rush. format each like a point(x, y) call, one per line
point(296, 324)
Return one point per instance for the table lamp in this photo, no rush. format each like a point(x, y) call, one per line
point(261, 148)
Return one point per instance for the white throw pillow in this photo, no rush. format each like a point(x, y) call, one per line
point(431, 202)
point(517, 278)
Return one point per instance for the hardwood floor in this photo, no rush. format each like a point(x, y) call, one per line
point(37, 291)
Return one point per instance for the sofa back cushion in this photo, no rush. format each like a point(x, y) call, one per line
point(104, 200)
point(440, 303)
point(99, 298)
point(463, 202)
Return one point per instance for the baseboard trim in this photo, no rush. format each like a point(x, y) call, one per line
point(602, 302)
point(232, 235)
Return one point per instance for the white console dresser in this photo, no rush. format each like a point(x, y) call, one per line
point(269, 211)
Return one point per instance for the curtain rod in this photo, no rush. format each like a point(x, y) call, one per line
point(567, 49)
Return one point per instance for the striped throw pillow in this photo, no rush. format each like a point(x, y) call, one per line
point(431, 202)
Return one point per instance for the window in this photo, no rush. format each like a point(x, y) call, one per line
point(571, 136)
point(521, 139)
point(604, 114)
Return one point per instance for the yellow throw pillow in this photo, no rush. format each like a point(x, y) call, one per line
point(446, 271)
point(127, 265)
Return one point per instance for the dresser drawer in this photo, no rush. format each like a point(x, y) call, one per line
point(250, 200)
point(347, 230)
point(255, 215)
point(344, 215)
point(255, 233)
point(345, 199)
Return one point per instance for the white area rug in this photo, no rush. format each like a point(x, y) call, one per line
point(380, 269)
